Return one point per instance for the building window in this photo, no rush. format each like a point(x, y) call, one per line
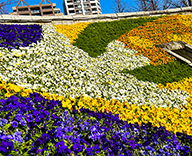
point(70, 6)
point(78, 6)
point(71, 11)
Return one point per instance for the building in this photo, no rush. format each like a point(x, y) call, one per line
point(81, 7)
point(47, 9)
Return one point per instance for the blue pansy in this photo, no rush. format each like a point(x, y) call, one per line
point(29, 117)
point(4, 121)
point(77, 148)
point(61, 148)
point(96, 148)
point(6, 146)
point(23, 122)
point(89, 151)
point(14, 124)
point(18, 117)
point(17, 137)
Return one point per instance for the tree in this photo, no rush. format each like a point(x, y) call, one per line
point(4, 4)
point(119, 6)
point(181, 3)
point(146, 5)
point(152, 5)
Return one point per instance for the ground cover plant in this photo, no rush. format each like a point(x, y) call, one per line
point(96, 36)
point(166, 73)
point(56, 99)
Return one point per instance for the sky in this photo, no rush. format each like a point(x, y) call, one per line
point(106, 5)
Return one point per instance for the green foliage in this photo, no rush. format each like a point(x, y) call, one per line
point(96, 36)
point(166, 73)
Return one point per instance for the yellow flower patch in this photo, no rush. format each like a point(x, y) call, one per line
point(136, 40)
point(9, 89)
point(71, 31)
point(185, 84)
point(186, 20)
point(186, 38)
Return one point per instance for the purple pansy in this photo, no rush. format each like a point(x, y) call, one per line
point(6, 146)
point(14, 124)
point(18, 117)
point(29, 117)
point(23, 122)
point(89, 151)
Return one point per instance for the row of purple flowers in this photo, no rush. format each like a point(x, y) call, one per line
point(34, 125)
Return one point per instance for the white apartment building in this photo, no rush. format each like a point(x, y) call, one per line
point(81, 7)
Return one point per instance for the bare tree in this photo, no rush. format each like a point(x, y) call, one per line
point(181, 3)
point(189, 2)
point(166, 4)
point(4, 4)
point(145, 5)
point(119, 6)
point(152, 5)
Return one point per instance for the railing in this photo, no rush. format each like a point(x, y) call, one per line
point(100, 17)
point(35, 11)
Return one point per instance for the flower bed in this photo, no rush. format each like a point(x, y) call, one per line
point(96, 36)
point(15, 36)
point(35, 125)
point(56, 99)
point(72, 30)
point(166, 73)
point(162, 30)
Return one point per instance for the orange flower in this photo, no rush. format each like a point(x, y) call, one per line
point(162, 30)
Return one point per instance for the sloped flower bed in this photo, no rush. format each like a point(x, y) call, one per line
point(56, 99)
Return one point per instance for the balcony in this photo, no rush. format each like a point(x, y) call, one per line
point(57, 9)
point(79, 13)
point(95, 11)
point(87, 6)
point(87, 11)
point(70, 8)
point(71, 13)
point(47, 10)
point(86, 1)
point(77, 2)
point(23, 12)
point(69, 2)
point(35, 11)
point(78, 7)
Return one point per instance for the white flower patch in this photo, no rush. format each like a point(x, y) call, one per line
point(56, 66)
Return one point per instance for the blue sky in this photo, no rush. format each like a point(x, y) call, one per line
point(106, 5)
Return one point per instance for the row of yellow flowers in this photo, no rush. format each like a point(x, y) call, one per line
point(163, 30)
point(173, 120)
point(71, 30)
